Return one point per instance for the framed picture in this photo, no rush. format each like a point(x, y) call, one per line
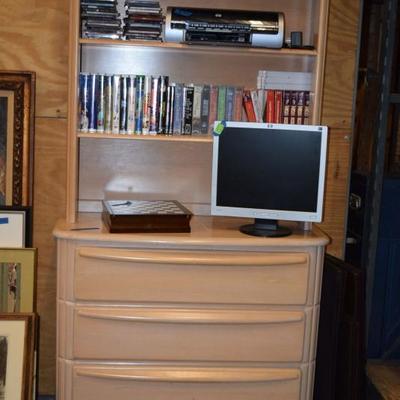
point(17, 280)
point(17, 91)
point(17, 346)
point(15, 226)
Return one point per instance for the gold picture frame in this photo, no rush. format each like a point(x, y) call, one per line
point(17, 91)
point(17, 352)
point(18, 279)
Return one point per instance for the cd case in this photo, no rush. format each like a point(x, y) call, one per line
point(134, 216)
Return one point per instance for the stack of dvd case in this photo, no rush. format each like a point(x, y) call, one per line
point(144, 20)
point(100, 19)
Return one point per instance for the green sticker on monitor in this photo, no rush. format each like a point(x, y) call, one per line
point(219, 128)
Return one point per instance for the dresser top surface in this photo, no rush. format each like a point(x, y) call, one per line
point(205, 231)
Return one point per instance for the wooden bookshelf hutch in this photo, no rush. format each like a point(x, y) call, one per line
point(213, 314)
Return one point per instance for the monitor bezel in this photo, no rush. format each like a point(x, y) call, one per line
point(271, 213)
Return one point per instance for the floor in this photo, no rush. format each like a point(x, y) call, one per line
point(386, 378)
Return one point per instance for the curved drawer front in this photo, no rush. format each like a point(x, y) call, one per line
point(182, 383)
point(110, 274)
point(121, 333)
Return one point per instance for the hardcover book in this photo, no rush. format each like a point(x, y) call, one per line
point(248, 106)
point(278, 106)
point(133, 216)
point(270, 107)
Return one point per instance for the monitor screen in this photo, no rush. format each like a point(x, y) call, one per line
point(269, 171)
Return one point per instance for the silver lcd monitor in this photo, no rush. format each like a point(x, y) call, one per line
point(268, 172)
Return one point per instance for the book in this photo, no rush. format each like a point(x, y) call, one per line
point(188, 94)
point(238, 106)
point(262, 100)
point(154, 106)
point(229, 103)
point(256, 105)
point(300, 108)
point(139, 84)
point(248, 106)
point(285, 80)
point(278, 106)
point(293, 106)
point(221, 103)
point(169, 118)
point(131, 104)
point(213, 107)
point(306, 113)
point(205, 109)
point(178, 109)
point(269, 115)
point(123, 105)
point(146, 105)
point(116, 99)
point(162, 104)
point(196, 117)
point(286, 107)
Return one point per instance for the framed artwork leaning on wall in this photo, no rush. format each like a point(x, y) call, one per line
point(15, 226)
point(17, 94)
point(18, 280)
point(17, 347)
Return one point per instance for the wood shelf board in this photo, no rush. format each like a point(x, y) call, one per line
point(199, 48)
point(161, 138)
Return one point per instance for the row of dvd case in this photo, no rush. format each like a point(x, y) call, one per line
point(150, 105)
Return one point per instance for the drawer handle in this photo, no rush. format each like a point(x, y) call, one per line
point(179, 316)
point(190, 374)
point(198, 258)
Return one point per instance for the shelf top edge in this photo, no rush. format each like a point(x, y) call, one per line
point(198, 48)
point(161, 138)
point(209, 231)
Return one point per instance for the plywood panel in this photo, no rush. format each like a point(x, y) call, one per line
point(341, 59)
point(228, 68)
point(34, 37)
point(337, 113)
point(49, 205)
point(336, 190)
point(153, 170)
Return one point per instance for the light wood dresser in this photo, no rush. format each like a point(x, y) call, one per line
point(210, 315)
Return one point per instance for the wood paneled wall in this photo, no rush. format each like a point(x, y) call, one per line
point(338, 112)
point(34, 36)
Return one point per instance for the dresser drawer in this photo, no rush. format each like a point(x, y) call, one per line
point(112, 274)
point(121, 333)
point(138, 382)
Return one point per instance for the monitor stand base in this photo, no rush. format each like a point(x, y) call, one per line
point(265, 228)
